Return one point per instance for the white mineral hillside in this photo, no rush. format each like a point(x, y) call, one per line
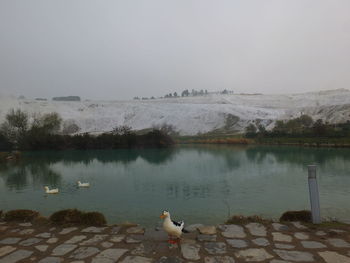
point(192, 115)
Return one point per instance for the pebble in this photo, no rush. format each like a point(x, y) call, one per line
point(52, 240)
point(237, 243)
point(301, 235)
point(193, 227)
point(215, 247)
point(294, 255)
point(320, 233)
point(10, 241)
point(51, 260)
point(42, 248)
point(30, 241)
point(26, 231)
point(297, 224)
point(253, 254)
point(284, 246)
point(135, 230)
point(134, 239)
point(75, 239)
point(94, 240)
point(211, 238)
point(117, 238)
point(106, 244)
point(28, 224)
point(44, 235)
point(280, 227)
point(337, 242)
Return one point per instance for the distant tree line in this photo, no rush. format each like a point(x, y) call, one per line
point(185, 93)
point(43, 132)
point(303, 126)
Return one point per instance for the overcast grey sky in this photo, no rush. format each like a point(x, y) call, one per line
point(120, 49)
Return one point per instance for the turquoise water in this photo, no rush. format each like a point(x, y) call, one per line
point(197, 184)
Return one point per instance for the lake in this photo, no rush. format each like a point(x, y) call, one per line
point(195, 183)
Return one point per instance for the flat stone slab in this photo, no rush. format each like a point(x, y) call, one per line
point(75, 239)
point(320, 233)
point(253, 254)
point(298, 225)
point(136, 259)
point(44, 235)
point(51, 260)
point(117, 238)
point(193, 227)
point(256, 229)
point(42, 248)
point(334, 257)
point(262, 242)
point(52, 240)
point(215, 248)
point(190, 251)
point(135, 230)
point(106, 244)
point(297, 256)
point(312, 244)
point(144, 249)
point(301, 235)
point(28, 224)
point(280, 227)
point(233, 231)
point(170, 260)
point(284, 246)
point(115, 230)
point(110, 255)
point(16, 256)
point(237, 243)
point(207, 230)
point(134, 239)
point(63, 249)
point(84, 252)
point(30, 241)
point(219, 259)
point(94, 240)
point(6, 250)
point(207, 238)
point(337, 242)
point(93, 229)
point(67, 230)
point(26, 231)
point(279, 237)
point(10, 241)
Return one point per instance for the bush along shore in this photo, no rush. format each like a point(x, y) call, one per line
point(66, 236)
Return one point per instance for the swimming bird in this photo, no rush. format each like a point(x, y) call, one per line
point(52, 191)
point(174, 229)
point(80, 184)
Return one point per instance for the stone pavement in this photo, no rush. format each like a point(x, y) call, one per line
point(253, 242)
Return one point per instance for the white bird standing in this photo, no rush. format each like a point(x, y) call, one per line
point(80, 184)
point(52, 191)
point(174, 229)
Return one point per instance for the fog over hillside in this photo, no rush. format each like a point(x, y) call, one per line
point(191, 115)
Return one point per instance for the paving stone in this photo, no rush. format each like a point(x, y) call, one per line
point(63, 249)
point(52, 240)
point(93, 229)
point(136, 259)
point(298, 225)
point(262, 242)
point(207, 230)
point(110, 255)
point(42, 248)
point(320, 233)
point(219, 259)
point(284, 246)
point(10, 241)
point(16, 256)
point(256, 229)
point(334, 257)
point(15, 230)
point(215, 247)
point(279, 237)
point(94, 240)
point(67, 230)
point(312, 244)
point(294, 255)
point(190, 251)
point(301, 235)
point(44, 235)
point(106, 244)
point(30, 241)
point(337, 230)
point(26, 231)
point(233, 231)
point(117, 238)
point(253, 254)
point(51, 260)
point(115, 230)
point(279, 261)
point(210, 238)
point(337, 242)
point(135, 230)
point(280, 227)
point(144, 249)
point(170, 260)
point(134, 239)
point(52, 229)
point(75, 239)
point(237, 243)
point(6, 250)
point(151, 234)
point(25, 224)
point(84, 252)
point(193, 227)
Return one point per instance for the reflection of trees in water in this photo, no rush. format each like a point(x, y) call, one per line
point(175, 190)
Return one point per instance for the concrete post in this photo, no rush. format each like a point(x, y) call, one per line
point(314, 196)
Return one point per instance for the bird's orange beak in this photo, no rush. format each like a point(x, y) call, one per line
point(162, 216)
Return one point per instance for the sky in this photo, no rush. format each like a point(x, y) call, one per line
point(118, 49)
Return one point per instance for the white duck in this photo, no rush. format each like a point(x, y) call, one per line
point(174, 229)
point(80, 184)
point(52, 191)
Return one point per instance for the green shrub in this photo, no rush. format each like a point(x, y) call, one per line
point(21, 215)
point(302, 215)
point(93, 219)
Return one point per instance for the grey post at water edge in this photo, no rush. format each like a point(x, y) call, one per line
point(314, 196)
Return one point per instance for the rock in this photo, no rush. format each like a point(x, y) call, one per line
point(136, 259)
point(337, 231)
point(193, 227)
point(42, 248)
point(26, 231)
point(44, 235)
point(16, 256)
point(30, 241)
point(215, 247)
point(301, 235)
point(312, 244)
point(263, 242)
point(253, 254)
point(63, 249)
point(219, 259)
point(144, 249)
point(51, 260)
point(67, 230)
point(75, 239)
point(337, 242)
point(84, 252)
point(334, 257)
point(106, 244)
point(6, 250)
point(117, 238)
point(256, 229)
point(294, 255)
point(190, 251)
point(233, 231)
point(93, 229)
point(25, 224)
point(10, 241)
point(94, 240)
point(207, 230)
point(135, 230)
point(298, 225)
point(115, 230)
point(170, 260)
point(237, 243)
point(110, 255)
point(210, 238)
point(279, 237)
point(280, 227)
point(284, 246)
point(320, 233)
point(52, 240)
point(134, 239)
point(279, 261)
